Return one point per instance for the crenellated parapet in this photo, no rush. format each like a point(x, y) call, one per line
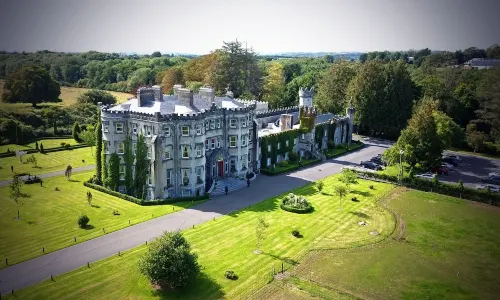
point(277, 111)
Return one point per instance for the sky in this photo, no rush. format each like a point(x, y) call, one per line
point(272, 26)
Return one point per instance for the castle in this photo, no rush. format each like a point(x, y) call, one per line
point(196, 139)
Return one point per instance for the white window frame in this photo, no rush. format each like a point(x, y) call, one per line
point(116, 127)
point(268, 162)
point(167, 153)
point(198, 151)
point(122, 172)
point(303, 136)
point(212, 124)
point(232, 123)
point(120, 150)
point(134, 128)
point(198, 129)
point(147, 130)
point(149, 154)
point(199, 176)
point(207, 126)
point(244, 122)
point(232, 141)
point(169, 178)
point(167, 131)
point(185, 149)
point(105, 126)
point(268, 148)
point(185, 128)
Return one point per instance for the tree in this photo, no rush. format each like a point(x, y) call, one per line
point(141, 168)
point(493, 51)
point(291, 97)
point(274, 85)
point(98, 149)
point(76, 132)
point(89, 138)
point(89, 198)
point(489, 93)
point(16, 194)
point(332, 88)
point(31, 84)
point(36, 146)
point(341, 191)
point(41, 148)
point(475, 139)
point(173, 76)
point(68, 172)
point(128, 158)
point(320, 185)
point(450, 133)
point(83, 221)
point(96, 96)
point(113, 180)
point(156, 54)
point(260, 231)
point(348, 177)
point(142, 76)
point(169, 261)
point(32, 159)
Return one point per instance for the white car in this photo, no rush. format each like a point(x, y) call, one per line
point(429, 176)
point(493, 188)
point(453, 156)
point(494, 174)
point(447, 165)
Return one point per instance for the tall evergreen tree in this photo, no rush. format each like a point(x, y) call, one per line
point(76, 132)
point(113, 180)
point(141, 167)
point(128, 157)
point(98, 148)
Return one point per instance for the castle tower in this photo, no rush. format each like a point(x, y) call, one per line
point(306, 97)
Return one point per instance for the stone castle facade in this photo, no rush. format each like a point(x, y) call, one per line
point(196, 139)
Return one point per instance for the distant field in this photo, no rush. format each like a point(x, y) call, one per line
point(68, 97)
point(47, 144)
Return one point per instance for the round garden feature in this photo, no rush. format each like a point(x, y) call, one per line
point(296, 204)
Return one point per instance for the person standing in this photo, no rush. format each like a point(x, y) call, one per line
point(248, 182)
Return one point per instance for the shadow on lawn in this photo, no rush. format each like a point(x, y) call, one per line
point(203, 287)
point(360, 214)
point(360, 193)
point(284, 259)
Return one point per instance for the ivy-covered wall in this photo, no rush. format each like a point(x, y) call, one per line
point(273, 140)
point(319, 134)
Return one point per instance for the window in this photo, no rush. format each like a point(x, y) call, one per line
point(198, 129)
point(134, 128)
point(150, 179)
point(206, 125)
point(134, 147)
point(186, 193)
point(326, 133)
point(218, 143)
point(244, 122)
point(185, 152)
point(303, 136)
point(279, 144)
point(169, 178)
point(232, 123)
point(121, 148)
point(232, 141)
point(295, 141)
point(218, 123)
point(185, 130)
point(167, 153)
point(250, 134)
point(147, 130)
point(150, 152)
point(122, 172)
point(167, 130)
point(206, 144)
point(105, 126)
point(213, 143)
point(198, 176)
point(243, 140)
point(287, 143)
point(119, 127)
point(268, 148)
point(268, 162)
point(198, 151)
point(212, 124)
point(185, 177)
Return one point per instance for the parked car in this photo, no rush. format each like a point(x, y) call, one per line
point(370, 165)
point(450, 160)
point(378, 161)
point(428, 176)
point(456, 157)
point(495, 179)
point(440, 170)
point(494, 174)
point(447, 165)
point(493, 188)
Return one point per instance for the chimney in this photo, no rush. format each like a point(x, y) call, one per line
point(208, 94)
point(144, 95)
point(158, 95)
point(286, 122)
point(185, 96)
point(177, 87)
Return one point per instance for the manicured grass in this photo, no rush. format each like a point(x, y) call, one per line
point(228, 243)
point(290, 166)
point(50, 162)
point(450, 250)
point(69, 95)
point(333, 152)
point(49, 217)
point(47, 144)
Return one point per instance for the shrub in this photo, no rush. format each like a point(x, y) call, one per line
point(169, 261)
point(62, 144)
point(295, 233)
point(229, 274)
point(293, 156)
point(283, 163)
point(320, 186)
point(355, 199)
point(83, 221)
point(67, 146)
point(371, 187)
point(296, 204)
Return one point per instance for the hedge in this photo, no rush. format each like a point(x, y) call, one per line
point(292, 168)
point(448, 189)
point(141, 201)
point(297, 210)
point(55, 149)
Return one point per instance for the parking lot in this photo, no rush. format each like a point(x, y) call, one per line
point(471, 168)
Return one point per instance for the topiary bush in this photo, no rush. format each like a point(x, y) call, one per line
point(229, 274)
point(62, 144)
point(67, 146)
point(283, 163)
point(296, 233)
point(296, 204)
point(293, 156)
point(169, 261)
point(83, 221)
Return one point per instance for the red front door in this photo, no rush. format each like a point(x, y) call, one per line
point(221, 168)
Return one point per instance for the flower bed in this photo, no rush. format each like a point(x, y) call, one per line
point(296, 204)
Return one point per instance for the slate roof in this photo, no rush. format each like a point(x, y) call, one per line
point(479, 62)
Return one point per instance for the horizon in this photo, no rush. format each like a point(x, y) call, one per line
point(195, 27)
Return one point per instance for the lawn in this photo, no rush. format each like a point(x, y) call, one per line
point(50, 162)
point(450, 250)
point(49, 217)
point(47, 144)
point(340, 149)
point(290, 166)
point(228, 243)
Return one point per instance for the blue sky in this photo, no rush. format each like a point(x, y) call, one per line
point(197, 26)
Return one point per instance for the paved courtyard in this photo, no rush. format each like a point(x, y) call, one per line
point(38, 269)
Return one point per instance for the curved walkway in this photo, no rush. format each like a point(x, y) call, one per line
point(59, 262)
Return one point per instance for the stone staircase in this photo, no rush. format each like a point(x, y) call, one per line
point(232, 184)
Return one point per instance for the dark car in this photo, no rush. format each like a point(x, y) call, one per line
point(440, 170)
point(378, 161)
point(370, 165)
point(450, 160)
point(495, 179)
